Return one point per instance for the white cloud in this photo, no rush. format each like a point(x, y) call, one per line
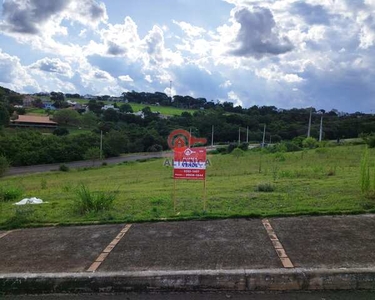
point(148, 78)
point(125, 78)
point(53, 65)
point(274, 74)
point(235, 98)
point(15, 76)
point(226, 84)
point(190, 30)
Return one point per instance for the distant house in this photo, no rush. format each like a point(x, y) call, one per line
point(90, 97)
point(33, 121)
point(49, 106)
point(28, 100)
point(109, 106)
point(116, 99)
point(140, 114)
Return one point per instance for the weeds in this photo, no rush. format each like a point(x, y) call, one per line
point(43, 183)
point(22, 215)
point(365, 172)
point(265, 188)
point(10, 193)
point(88, 201)
point(64, 168)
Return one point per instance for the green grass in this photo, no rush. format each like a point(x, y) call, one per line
point(36, 111)
point(165, 110)
point(303, 183)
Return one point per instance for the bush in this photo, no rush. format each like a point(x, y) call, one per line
point(244, 146)
point(231, 147)
point(88, 201)
point(369, 140)
point(292, 147)
point(64, 168)
point(10, 193)
point(265, 187)
point(22, 216)
point(309, 143)
point(237, 153)
point(221, 149)
point(4, 165)
point(61, 131)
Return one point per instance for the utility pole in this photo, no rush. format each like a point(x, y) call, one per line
point(309, 130)
point(264, 135)
point(101, 145)
point(189, 136)
point(170, 90)
point(212, 136)
point(247, 134)
point(239, 136)
point(321, 129)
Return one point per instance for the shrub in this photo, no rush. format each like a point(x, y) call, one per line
point(4, 165)
point(221, 149)
point(237, 153)
point(265, 187)
point(244, 146)
point(292, 147)
point(64, 168)
point(88, 201)
point(231, 147)
point(10, 193)
point(92, 154)
point(309, 143)
point(370, 140)
point(22, 215)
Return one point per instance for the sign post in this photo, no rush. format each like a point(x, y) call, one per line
point(190, 163)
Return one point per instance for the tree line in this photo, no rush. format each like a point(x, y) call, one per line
point(125, 132)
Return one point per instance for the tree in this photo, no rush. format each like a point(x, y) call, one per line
point(92, 154)
point(4, 116)
point(89, 119)
point(66, 116)
point(310, 143)
point(60, 131)
point(110, 115)
point(126, 108)
point(4, 165)
point(15, 99)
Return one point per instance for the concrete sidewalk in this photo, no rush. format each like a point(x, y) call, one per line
point(335, 252)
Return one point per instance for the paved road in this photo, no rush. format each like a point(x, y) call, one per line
point(310, 242)
point(81, 164)
point(340, 295)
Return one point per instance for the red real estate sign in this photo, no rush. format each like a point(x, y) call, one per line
point(189, 163)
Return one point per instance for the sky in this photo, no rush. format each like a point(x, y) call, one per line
point(285, 53)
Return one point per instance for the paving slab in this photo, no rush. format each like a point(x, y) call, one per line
point(58, 249)
point(329, 241)
point(194, 245)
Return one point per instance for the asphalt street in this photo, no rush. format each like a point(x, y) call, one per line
point(82, 164)
point(339, 295)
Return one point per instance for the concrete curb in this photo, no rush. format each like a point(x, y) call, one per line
point(194, 280)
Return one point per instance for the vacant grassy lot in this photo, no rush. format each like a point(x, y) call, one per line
point(322, 181)
point(165, 110)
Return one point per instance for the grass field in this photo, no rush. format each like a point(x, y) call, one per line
point(165, 110)
point(322, 181)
